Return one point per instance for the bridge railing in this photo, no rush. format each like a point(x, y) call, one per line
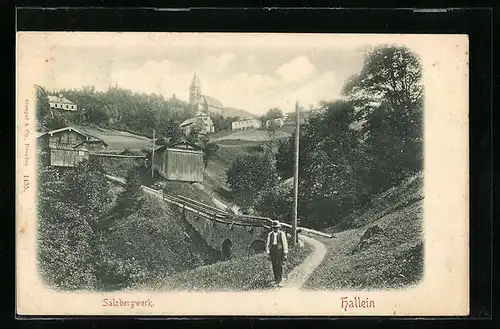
point(235, 219)
point(206, 211)
point(219, 215)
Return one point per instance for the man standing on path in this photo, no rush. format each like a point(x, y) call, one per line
point(277, 251)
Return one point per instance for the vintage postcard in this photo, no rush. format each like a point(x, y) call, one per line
point(192, 174)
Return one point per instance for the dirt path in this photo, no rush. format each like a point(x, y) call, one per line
point(301, 273)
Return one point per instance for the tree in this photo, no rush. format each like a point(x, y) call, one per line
point(121, 109)
point(285, 157)
point(173, 131)
point(68, 204)
point(132, 198)
point(352, 150)
point(394, 143)
point(273, 113)
point(194, 136)
point(271, 130)
point(275, 202)
point(89, 190)
point(208, 147)
point(332, 168)
point(66, 253)
point(389, 95)
point(391, 74)
point(222, 123)
point(251, 174)
point(96, 115)
point(55, 122)
point(42, 104)
point(209, 151)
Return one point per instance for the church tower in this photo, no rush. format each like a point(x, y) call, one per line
point(195, 90)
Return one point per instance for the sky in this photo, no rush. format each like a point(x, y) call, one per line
point(254, 72)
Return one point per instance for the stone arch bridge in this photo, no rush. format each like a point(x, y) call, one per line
point(233, 235)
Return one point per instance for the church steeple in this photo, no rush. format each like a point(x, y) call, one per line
point(195, 89)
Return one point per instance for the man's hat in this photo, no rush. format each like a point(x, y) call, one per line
point(276, 224)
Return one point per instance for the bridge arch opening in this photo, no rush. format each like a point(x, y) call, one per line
point(257, 247)
point(227, 249)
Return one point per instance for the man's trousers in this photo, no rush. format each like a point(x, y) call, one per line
point(277, 256)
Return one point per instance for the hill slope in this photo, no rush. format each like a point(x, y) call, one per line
point(235, 112)
point(385, 251)
point(214, 178)
point(154, 242)
point(231, 145)
point(251, 135)
point(241, 274)
point(117, 139)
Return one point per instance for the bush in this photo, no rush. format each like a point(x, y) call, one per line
point(73, 253)
point(275, 203)
point(80, 249)
point(67, 203)
point(114, 271)
point(65, 251)
point(131, 199)
point(251, 174)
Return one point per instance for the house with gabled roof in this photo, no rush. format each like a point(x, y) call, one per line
point(61, 103)
point(203, 122)
point(66, 147)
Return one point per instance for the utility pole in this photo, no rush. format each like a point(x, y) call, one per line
point(296, 175)
point(153, 156)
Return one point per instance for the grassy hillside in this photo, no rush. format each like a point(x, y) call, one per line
point(232, 145)
point(154, 242)
point(241, 274)
point(215, 174)
point(255, 135)
point(117, 139)
point(289, 128)
point(385, 251)
point(391, 200)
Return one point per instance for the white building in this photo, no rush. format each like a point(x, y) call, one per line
point(278, 122)
point(249, 123)
point(61, 103)
point(204, 123)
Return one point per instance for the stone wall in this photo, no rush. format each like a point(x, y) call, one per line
point(216, 233)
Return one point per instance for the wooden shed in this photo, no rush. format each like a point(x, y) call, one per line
point(67, 157)
point(180, 162)
point(63, 147)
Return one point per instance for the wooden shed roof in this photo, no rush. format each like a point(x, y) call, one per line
point(183, 145)
point(89, 138)
point(52, 132)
